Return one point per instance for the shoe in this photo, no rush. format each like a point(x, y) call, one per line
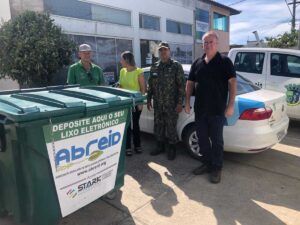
point(171, 152)
point(204, 168)
point(138, 150)
point(129, 152)
point(215, 176)
point(160, 147)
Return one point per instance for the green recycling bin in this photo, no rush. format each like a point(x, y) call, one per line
point(61, 148)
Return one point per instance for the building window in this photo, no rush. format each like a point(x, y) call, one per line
point(221, 22)
point(149, 53)
point(106, 53)
point(149, 22)
point(202, 23)
point(69, 8)
point(179, 28)
point(182, 53)
point(88, 11)
point(249, 62)
point(110, 15)
point(202, 15)
point(285, 65)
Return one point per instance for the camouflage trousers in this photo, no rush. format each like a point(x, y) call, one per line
point(165, 126)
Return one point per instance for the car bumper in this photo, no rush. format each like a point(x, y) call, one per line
point(254, 136)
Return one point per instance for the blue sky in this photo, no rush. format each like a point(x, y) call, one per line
point(268, 17)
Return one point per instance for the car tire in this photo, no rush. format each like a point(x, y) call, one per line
point(191, 141)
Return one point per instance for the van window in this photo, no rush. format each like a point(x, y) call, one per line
point(249, 62)
point(285, 65)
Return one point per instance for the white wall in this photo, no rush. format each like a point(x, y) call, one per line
point(6, 84)
point(163, 9)
point(4, 10)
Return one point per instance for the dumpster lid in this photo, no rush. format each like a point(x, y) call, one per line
point(41, 103)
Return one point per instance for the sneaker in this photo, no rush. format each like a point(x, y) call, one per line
point(201, 170)
point(215, 176)
point(129, 152)
point(138, 149)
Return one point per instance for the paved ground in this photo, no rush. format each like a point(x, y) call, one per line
point(260, 189)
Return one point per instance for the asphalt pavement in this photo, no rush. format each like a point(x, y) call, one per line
point(258, 189)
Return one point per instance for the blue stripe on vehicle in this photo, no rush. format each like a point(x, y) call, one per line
point(242, 104)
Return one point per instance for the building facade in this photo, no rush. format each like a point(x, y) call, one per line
point(112, 27)
point(211, 15)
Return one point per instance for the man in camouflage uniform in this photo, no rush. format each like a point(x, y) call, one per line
point(166, 87)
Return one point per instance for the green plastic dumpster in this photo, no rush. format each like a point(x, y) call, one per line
point(61, 148)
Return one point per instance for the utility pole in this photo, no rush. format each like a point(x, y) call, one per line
point(294, 3)
point(299, 37)
point(294, 15)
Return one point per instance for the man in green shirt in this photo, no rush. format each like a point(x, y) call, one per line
point(85, 72)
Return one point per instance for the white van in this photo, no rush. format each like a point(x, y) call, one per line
point(273, 69)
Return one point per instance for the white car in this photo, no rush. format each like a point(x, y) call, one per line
point(259, 122)
point(272, 69)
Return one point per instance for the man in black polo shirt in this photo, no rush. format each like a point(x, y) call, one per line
point(213, 75)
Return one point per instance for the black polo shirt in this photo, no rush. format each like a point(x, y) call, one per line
point(211, 84)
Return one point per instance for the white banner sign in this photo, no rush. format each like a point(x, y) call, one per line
point(202, 26)
point(84, 156)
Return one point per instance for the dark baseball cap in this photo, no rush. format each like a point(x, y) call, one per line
point(163, 45)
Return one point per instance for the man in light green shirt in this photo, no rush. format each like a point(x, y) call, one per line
point(85, 72)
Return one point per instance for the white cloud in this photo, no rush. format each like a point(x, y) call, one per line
point(235, 27)
point(269, 18)
point(279, 29)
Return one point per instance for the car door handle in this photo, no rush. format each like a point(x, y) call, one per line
point(258, 84)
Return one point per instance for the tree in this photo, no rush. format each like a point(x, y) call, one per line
point(286, 40)
point(32, 49)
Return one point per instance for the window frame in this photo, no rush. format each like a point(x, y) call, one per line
point(156, 17)
point(113, 8)
point(200, 16)
point(98, 54)
point(259, 72)
point(226, 23)
point(179, 27)
point(63, 10)
point(186, 47)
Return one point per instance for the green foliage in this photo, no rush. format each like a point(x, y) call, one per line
point(285, 40)
point(32, 49)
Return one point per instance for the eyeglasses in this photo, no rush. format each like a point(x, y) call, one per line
point(209, 42)
point(90, 76)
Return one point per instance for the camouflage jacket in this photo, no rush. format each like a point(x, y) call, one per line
point(166, 85)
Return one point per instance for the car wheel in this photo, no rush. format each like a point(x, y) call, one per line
point(191, 141)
